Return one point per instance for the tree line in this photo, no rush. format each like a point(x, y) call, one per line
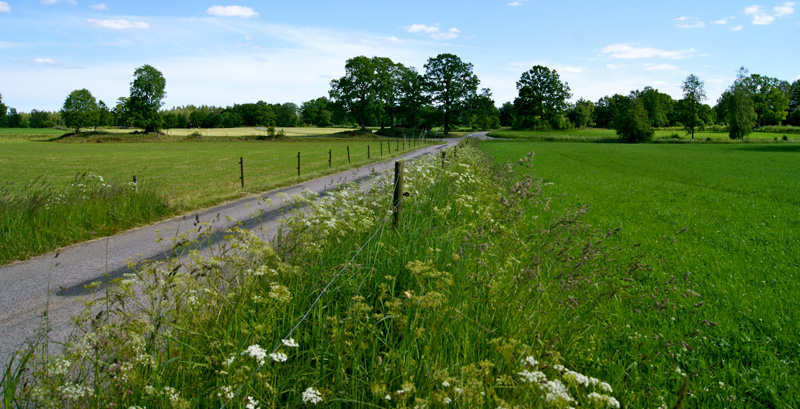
point(378, 92)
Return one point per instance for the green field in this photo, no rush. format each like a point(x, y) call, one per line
point(194, 174)
point(721, 220)
point(609, 135)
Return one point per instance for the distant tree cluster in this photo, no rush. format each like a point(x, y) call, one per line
point(378, 92)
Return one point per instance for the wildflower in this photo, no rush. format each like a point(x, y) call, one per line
point(532, 377)
point(446, 384)
point(251, 403)
point(290, 343)
point(225, 392)
point(256, 352)
point(577, 378)
point(447, 400)
point(605, 387)
point(229, 361)
point(530, 361)
point(607, 401)
point(278, 356)
point(312, 395)
point(388, 397)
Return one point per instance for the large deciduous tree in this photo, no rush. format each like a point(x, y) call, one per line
point(80, 110)
point(542, 97)
point(739, 108)
point(357, 91)
point(147, 95)
point(581, 113)
point(693, 96)
point(450, 82)
point(3, 110)
point(631, 121)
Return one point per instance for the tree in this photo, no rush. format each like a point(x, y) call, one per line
point(632, 122)
point(693, 96)
point(79, 110)
point(104, 115)
point(542, 95)
point(581, 113)
point(483, 114)
point(357, 91)
point(13, 119)
point(507, 114)
point(657, 104)
point(770, 98)
point(3, 110)
point(738, 107)
point(147, 94)
point(412, 95)
point(450, 82)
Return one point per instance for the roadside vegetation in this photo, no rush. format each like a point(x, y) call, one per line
point(455, 307)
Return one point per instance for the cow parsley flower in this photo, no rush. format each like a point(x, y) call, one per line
point(256, 352)
point(290, 343)
point(312, 395)
point(251, 403)
point(278, 356)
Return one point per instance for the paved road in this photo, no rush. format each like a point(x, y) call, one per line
point(24, 293)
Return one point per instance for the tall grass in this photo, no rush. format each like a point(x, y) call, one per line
point(470, 302)
point(40, 216)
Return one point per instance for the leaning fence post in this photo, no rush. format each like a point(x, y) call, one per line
point(298, 163)
point(389, 146)
point(241, 170)
point(330, 156)
point(398, 193)
point(348, 154)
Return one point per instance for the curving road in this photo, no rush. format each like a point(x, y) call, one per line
point(57, 279)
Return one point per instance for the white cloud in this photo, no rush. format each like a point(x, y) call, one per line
point(515, 3)
point(421, 28)
point(572, 69)
point(232, 11)
point(786, 10)
point(120, 24)
point(723, 20)
point(99, 7)
point(51, 2)
point(659, 67)
point(687, 22)
point(45, 61)
point(763, 18)
point(737, 28)
point(434, 31)
point(634, 51)
point(4, 7)
point(659, 83)
point(612, 66)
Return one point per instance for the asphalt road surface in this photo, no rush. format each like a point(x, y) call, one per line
point(56, 281)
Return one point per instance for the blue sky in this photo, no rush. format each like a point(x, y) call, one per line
point(218, 53)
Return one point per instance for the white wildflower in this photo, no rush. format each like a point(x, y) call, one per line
point(278, 356)
point(530, 361)
point(290, 343)
point(225, 392)
point(312, 395)
point(256, 352)
point(446, 384)
point(251, 403)
point(533, 377)
point(605, 387)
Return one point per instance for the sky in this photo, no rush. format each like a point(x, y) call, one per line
point(222, 53)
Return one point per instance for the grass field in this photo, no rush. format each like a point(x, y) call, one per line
point(720, 220)
point(195, 174)
point(609, 135)
point(41, 210)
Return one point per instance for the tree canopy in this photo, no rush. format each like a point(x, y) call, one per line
point(80, 110)
point(450, 82)
point(146, 98)
point(693, 96)
point(542, 97)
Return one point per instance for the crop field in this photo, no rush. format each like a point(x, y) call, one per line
point(718, 224)
point(609, 135)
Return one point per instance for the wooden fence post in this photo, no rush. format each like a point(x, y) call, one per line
point(389, 146)
point(298, 163)
point(241, 170)
point(330, 157)
point(398, 193)
point(348, 154)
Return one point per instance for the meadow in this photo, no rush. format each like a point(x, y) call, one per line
point(720, 220)
point(661, 135)
point(183, 175)
point(581, 275)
